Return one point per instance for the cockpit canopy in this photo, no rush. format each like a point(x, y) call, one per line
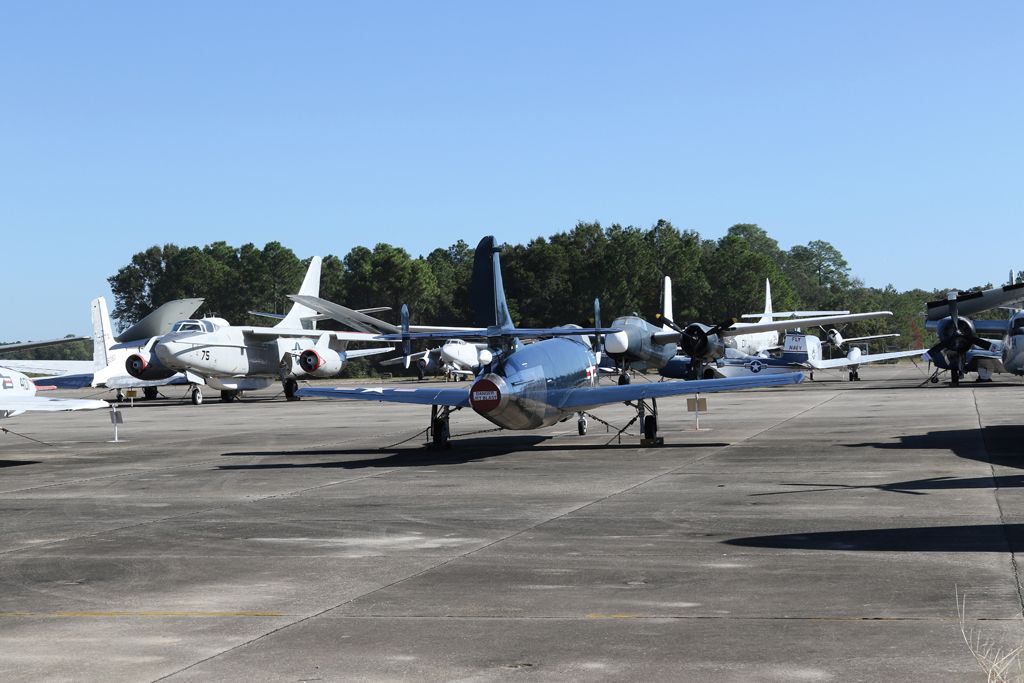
point(204, 325)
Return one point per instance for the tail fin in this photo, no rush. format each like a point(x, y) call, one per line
point(768, 312)
point(311, 287)
point(487, 292)
point(102, 336)
point(666, 303)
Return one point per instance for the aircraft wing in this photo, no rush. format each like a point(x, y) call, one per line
point(582, 398)
point(358, 319)
point(21, 346)
point(401, 361)
point(969, 303)
point(359, 353)
point(420, 395)
point(779, 325)
point(863, 360)
point(160, 321)
point(267, 333)
point(487, 333)
point(14, 404)
point(49, 367)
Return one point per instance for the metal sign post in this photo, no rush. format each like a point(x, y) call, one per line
point(116, 418)
point(696, 405)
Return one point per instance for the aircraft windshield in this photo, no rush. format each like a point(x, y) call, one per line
point(187, 326)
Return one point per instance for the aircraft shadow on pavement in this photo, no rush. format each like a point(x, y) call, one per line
point(414, 454)
point(16, 463)
point(983, 538)
point(995, 444)
point(916, 487)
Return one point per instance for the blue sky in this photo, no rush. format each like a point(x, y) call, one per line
point(891, 129)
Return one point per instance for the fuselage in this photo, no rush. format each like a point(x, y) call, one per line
point(1013, 345)
point(524, 389)
point(14, 384)
point(227, 360)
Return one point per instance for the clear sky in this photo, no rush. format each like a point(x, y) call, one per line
point(891, 129)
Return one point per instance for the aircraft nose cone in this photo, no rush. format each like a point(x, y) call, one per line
point(616, 342)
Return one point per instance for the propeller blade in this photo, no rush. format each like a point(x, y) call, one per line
point(597, 324)
point(981, 343)
point(406, 341)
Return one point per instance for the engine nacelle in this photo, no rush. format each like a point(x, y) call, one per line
point(634, 343)
point(962, 337)
point(429, 364)
point(854, 353)
point(146, 366)
point(700, 345)
point(321, 363)
point(835, 338)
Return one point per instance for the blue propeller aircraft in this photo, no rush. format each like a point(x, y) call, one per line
point(526, 386)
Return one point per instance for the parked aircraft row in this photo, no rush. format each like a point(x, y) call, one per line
point(516, 384)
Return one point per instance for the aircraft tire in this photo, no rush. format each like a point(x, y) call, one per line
point(197, 396)
point(623, 379)
point(439, 432)
point(290, 386)
point(150, 393)
point(650, 427)
point(954, 377)
point(581, 426)
point(228, 396)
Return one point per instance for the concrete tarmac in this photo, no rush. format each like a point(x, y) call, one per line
point(808, 533)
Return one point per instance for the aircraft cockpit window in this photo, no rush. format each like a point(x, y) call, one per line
point(1017, 328)
point(208, 325)
point(187, 326)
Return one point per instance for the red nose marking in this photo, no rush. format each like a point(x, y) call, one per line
point(484, 396)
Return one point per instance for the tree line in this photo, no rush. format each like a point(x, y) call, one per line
point(548, 281)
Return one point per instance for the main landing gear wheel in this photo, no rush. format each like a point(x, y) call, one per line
point(150, 393)
point(290, 387)
point(623, 379)
point(228, 396)
point(954, 377)
point(854, 376)
point(440, 432)
point(650, 427)
point(197, 396)
point(581, 426)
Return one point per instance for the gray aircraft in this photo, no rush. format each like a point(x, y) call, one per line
point(232, 358)
point(527, 386)
point(639, 345)
point(961, 349)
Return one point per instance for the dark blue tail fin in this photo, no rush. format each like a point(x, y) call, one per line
point(487, 293)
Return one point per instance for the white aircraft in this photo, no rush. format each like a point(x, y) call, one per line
point(641, 345)
point(759, 342)
point(455, 358)
point(232, 358)
point(18, 394)
point(109, 353)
